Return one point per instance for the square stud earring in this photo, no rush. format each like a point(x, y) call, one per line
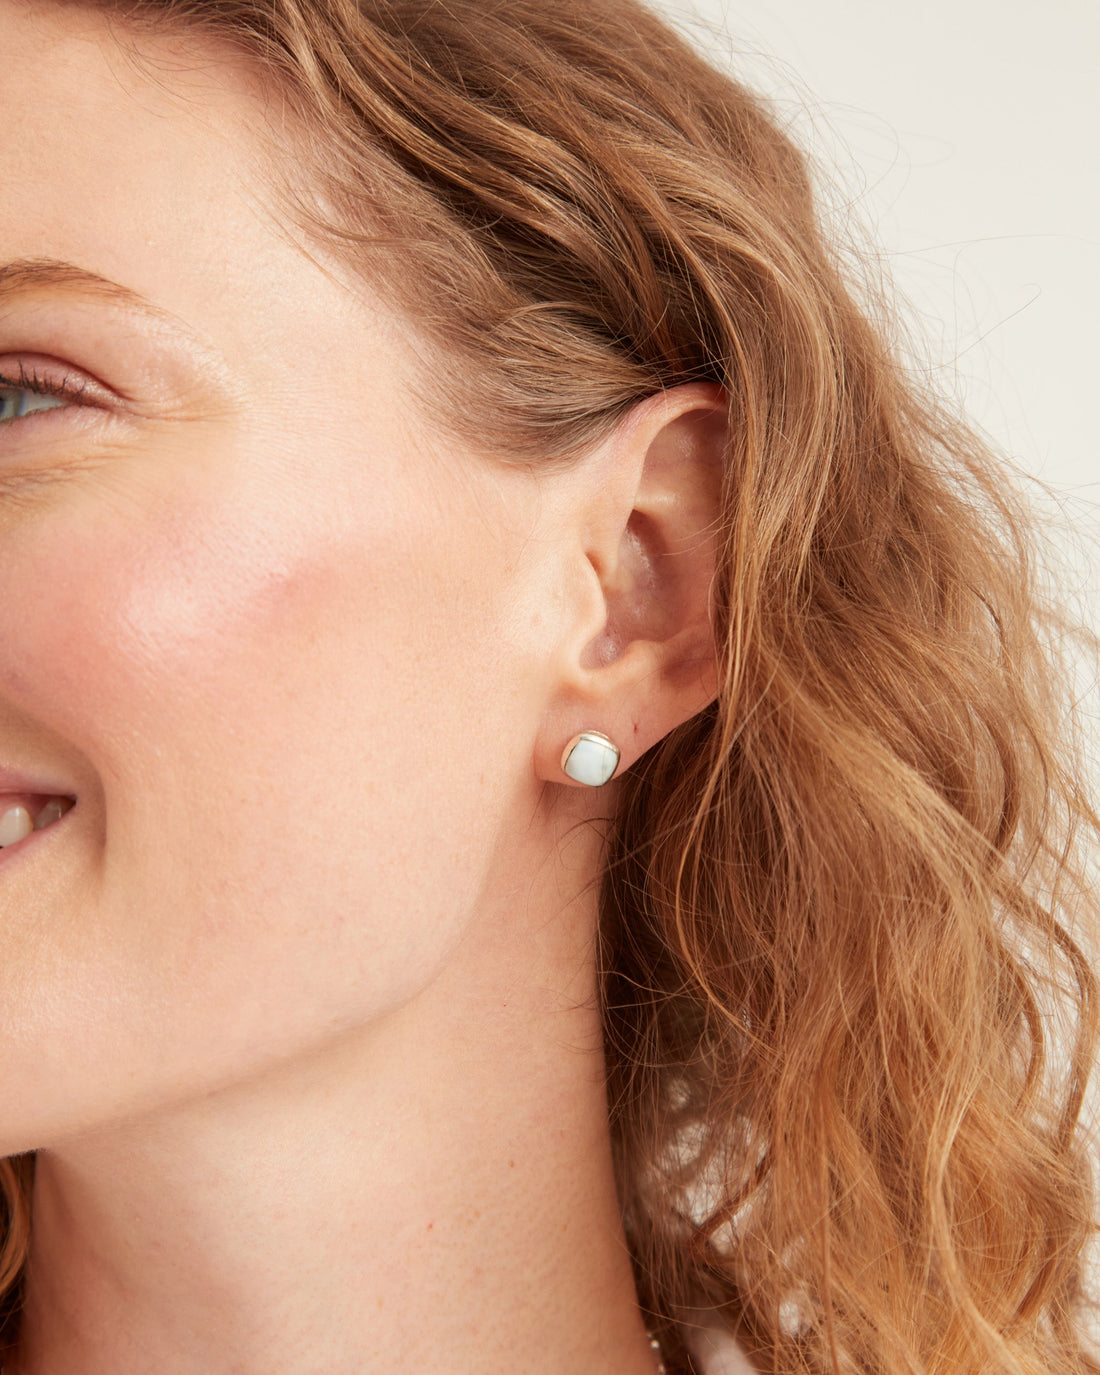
point(590, 758)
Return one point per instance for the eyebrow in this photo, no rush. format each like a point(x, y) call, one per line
point(26, 275)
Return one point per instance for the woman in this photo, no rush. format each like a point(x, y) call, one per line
point(557, 838)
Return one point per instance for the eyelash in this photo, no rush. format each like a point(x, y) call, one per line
point(67, 389)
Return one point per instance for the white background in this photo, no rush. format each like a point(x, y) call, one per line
point(966, 138)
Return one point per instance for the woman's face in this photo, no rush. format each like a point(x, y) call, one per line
point(280, 646)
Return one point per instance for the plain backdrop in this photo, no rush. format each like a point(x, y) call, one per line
point(965, 139)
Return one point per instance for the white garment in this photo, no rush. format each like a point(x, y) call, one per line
point(715, 1352)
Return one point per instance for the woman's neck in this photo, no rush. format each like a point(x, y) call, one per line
point(432, 1193)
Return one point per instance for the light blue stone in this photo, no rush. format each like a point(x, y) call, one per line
point(592, 760)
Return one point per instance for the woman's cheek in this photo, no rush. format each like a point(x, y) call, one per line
point(108, 614)
point(121, 601)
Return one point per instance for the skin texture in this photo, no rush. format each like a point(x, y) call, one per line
point(297, 1003)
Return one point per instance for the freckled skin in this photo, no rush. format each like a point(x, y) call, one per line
point(253, 620)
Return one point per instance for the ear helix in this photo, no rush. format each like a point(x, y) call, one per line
point(590, 758)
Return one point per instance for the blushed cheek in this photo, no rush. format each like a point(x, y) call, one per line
point(108, 619)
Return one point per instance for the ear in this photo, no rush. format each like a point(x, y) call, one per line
point(638, 657)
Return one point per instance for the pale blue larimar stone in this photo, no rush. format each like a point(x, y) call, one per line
point(592, 760)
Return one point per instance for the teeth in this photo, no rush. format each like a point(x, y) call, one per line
point(53, 811)
point(16, 823)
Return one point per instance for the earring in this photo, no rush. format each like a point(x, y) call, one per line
point(590, 758)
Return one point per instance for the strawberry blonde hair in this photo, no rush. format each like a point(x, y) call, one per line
point(848, 1023)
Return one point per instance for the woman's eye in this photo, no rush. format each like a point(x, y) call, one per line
point(17, 402)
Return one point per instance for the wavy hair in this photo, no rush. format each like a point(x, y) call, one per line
point(845, 916)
